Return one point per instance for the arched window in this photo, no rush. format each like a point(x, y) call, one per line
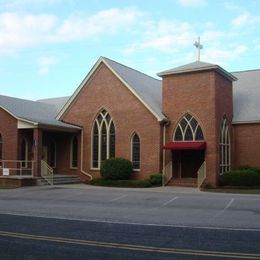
point(103, 139)
point(188, 129)
point(1, 149)
point(24, 152)
point(52, 154)
point(224, 148)
point(135, 149)
point(74, 152)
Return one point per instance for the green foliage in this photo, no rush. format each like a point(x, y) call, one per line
point(156, 179)
point(116, 169)
point(121, 183)
point(242, 177)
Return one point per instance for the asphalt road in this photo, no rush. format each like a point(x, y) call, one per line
point(80, 222)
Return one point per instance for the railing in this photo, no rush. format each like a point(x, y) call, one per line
point(201, 174)
point(46, 172)
point(21, 168)
point(167, 173)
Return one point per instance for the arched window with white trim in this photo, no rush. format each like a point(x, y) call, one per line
point(24, 152)
point(135, 151)
point(188, 129)
point(224, 148)
point(1, 149)
point(74, 152)
point(103, 139)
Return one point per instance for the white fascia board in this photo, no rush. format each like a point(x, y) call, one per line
point(68, 103)
point(66, 106)
point(135, 93)
point(21, 124)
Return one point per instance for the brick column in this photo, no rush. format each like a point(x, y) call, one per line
point(37, 150)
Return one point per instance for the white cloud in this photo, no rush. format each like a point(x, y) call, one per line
point(192, 3)
point(245, 19)
point(164, 36)
point(257, 47)
point(219, 55)
point(18, 31)
point(45, 63)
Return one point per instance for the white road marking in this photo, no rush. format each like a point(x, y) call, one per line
point(223, 210)
point(119, 198)
point(169, 201)
point(136, 223)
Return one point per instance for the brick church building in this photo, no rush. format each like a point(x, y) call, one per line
point(197, 118)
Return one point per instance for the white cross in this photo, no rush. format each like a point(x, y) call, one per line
point(198, 47)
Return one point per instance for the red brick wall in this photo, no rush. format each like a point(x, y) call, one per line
point(9, 132)
point(105, 90)
point(207, 96)
point(247, 145)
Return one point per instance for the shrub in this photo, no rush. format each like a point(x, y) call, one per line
point(156, 179)
point(121, 183)
point(244, 177)
point(116, 169)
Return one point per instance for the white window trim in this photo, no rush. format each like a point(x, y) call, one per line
point(131, 152)
point(224, 148)
point(99, 125)
point(183, 131)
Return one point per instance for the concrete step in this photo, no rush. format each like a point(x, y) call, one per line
point(183, 182)
point(60, 180)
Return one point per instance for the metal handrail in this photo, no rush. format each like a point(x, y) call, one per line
point(19, 166)
point(167, 173)
point(201, 174)
point(46, 172)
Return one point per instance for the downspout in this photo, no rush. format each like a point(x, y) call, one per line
point(163, 177)
point(81, 158)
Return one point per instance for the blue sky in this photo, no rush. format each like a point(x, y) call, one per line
point(48, 46)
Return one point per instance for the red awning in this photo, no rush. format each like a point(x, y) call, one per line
point(194, 145)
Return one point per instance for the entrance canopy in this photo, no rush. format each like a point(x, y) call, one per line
point(193, 145)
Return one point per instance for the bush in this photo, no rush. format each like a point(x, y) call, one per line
point(156, 179)
point(116, 169)
point(121, 183)
point(244, 177)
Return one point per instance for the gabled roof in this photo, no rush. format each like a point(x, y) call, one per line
point(35, 112)
point(246, 96)
point(147, 89)
point(197, 66)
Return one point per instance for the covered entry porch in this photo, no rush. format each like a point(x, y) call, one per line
point(186, 165)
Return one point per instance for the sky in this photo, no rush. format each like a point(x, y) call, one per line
point(47, 47)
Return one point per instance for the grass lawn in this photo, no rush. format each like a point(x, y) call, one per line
point(234, 190)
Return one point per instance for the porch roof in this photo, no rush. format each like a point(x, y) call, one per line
point(39, 113)
point(185, 145)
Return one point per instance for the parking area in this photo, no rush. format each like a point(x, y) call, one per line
point(153, 206)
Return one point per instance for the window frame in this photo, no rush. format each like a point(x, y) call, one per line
point(132, 151)
point(102, 118)
point(224, 147)
point(188, 117)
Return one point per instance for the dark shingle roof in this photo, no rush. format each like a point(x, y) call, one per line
point(148, 88)
point(40, 112)
point(246, 96)
point(197, 66)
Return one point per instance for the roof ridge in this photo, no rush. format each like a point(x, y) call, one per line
point(131, 68)
point(17, 98)
point(245, 70)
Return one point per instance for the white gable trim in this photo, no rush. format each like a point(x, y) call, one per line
point(100, 60)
